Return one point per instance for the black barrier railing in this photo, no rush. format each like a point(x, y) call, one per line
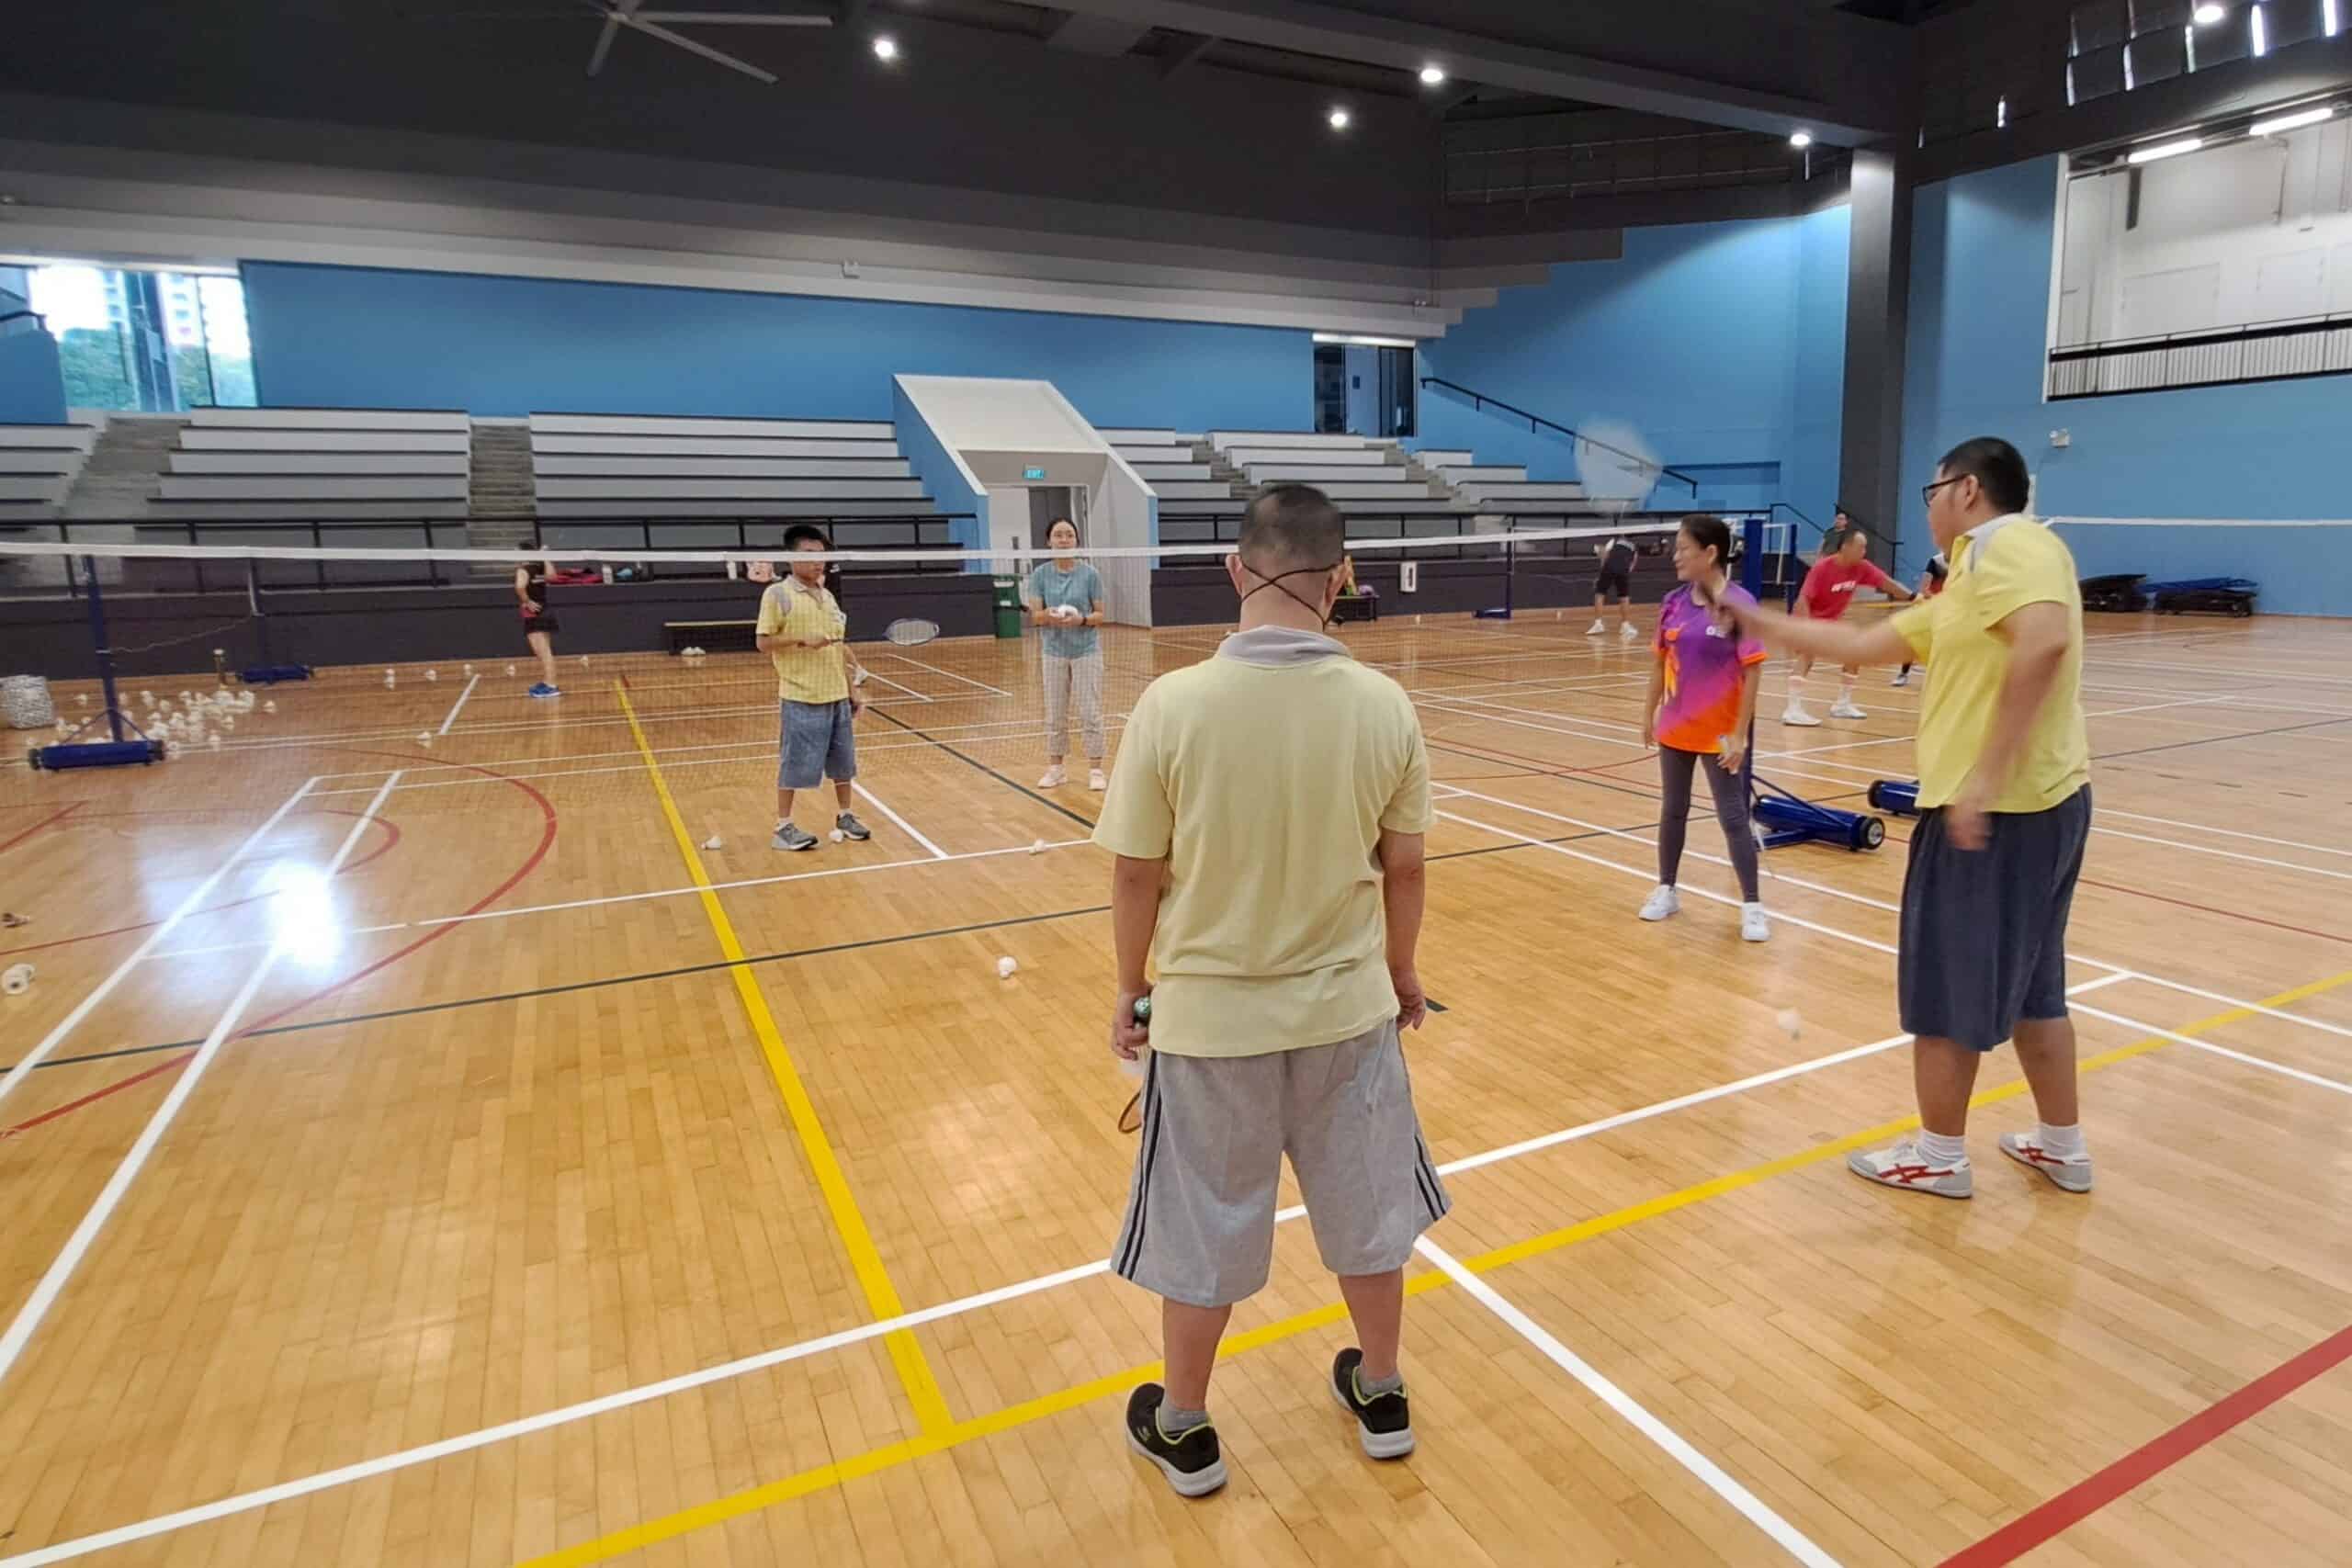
point(2210, 356)
point(1536, 422)
point(161, 574)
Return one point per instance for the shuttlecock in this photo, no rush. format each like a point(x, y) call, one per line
point(835, 835)
point(424, 736)
point(583, 659)
point(470, 669)
point(1006, 968)
point(227, 724)
point(433, 675)
point(213, 742)
point(389, 683)
point(83, 699)
point(17, 979)
point(1790, 1023)
point(270, 707)
point(147, 697)
point(712, 843)
point(1038, 848)
point(510, 669)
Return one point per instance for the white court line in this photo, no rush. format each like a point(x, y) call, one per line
point(2211, 1049)
point(887, 681)
point(2115, 972)
point(66, 1025)
point(2224, 832)
point(909, 829)
point(1712, 1475)
point(951, 674)
point(458, 707)
point(406, 1459)
point(44, 1294)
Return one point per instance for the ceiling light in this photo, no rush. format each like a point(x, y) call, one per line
point(2205, 16)
point(2261, 35)
point(1801, 139)
point(1365, 340)
point(886, 47)
point(2001, 115)
point(1432, 75)
point(2295, 121)
point(1339, 119)
point(2149, 155)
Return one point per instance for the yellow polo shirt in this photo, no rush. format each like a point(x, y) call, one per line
point(805, 674)
point(1998, 569)
point(1264, 777)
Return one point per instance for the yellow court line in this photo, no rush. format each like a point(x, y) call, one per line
point(866, 1261)
point(735, 1506)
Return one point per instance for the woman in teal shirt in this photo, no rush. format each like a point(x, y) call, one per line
point(1065, 597)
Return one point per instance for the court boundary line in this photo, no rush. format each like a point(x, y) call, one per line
point(912, 831)
point(61, 1267)
point(460, 705)
point(1026, 1411)
point(920, 1384)
point(163, 927)
point(1754, 1509)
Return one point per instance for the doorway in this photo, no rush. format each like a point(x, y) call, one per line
point(1050, 504)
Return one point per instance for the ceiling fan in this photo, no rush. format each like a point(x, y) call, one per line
point(630, 14)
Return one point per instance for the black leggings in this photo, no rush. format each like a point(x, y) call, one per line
point(1674, 770)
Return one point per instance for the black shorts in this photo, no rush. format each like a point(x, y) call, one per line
point(1619, 583)
point(1984, 941)
point(542, 622)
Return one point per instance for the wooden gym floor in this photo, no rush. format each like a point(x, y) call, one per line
point(440, 1158)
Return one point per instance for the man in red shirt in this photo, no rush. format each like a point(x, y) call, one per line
point(1830, 587)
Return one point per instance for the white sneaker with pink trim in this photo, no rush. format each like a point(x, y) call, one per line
point(1905, 1167)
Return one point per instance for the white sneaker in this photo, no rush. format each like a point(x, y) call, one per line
point(1753, 925)
point(1627, 631)
point(1054, 777)
point(1844, 708)
point(1794, 714)
point(1095, 781)
point(1662, 903)
point(1596, 628)
point(1905, 1168)
point(2074, 1173)
point(1901, 677)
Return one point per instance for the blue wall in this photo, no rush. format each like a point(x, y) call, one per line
point(32, 388)
point(1979, 296)
point(1723, 344)
point(935, 465)
point(361, 337)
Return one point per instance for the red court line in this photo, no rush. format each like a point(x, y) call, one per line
point(392, 836)
point(2080, 1501)
point(530, 863)
point(55, 816)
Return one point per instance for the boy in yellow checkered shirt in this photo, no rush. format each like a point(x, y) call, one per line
point(803, 632)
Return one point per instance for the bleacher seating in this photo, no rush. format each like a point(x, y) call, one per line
point(38, 464)
point(316, 464)
point(613, 466)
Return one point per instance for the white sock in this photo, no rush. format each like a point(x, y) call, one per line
point(2066, 1142)
point(1846, 690)
point(1936, 1149)
point(1796, 691)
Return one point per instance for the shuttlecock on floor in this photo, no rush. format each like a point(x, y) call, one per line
point(147, 697)
point(835, 835)
point(1006, 968)
point(17, 979)
point(83, 700)
point(270, 707)
point(213, 742)
point(389, 683)
point(1038, 848)
point(510, 669)
point(583, 659)
point(424, 736)
point(433, 675)
point(470, 669)
point(712, 843)
point(1790, 1023)
point(227, 724)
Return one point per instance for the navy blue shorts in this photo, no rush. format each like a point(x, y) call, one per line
point(815, 744)
point(1984, 941)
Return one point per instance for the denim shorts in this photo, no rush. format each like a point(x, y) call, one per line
point(815, 744)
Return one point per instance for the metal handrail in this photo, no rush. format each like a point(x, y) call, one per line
point(1480, 401)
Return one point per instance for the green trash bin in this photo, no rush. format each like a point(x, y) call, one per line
point(1008, 607)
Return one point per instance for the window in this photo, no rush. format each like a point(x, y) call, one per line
point(137, 341)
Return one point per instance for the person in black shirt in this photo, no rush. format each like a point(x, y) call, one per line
point(1616, 577)
point(538, 625)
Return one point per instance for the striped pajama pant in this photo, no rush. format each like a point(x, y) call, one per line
point(1079, 679)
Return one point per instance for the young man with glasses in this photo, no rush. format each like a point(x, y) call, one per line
point(2006, 811)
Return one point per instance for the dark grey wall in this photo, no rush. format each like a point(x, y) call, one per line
point(1878, 289)
point(383, 625)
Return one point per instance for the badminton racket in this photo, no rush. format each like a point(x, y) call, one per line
point(1131, 1114)
point(910, 633)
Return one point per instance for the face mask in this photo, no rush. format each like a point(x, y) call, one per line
point(1276, 581)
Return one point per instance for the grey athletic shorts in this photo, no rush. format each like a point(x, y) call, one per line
point(817, 744)
point(1985, 930)
point(1200, 1222)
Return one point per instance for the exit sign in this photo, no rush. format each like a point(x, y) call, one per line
point(1032, 473)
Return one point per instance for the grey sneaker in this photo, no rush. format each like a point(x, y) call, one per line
point(788, 837)
point(851, 828)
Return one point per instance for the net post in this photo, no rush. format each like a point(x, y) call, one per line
point(1752, 566)
point(260, 615)
point(104, 649)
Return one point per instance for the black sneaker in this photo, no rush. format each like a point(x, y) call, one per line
point(851, 828)
point(1384, 1422)
point(1193, 1463)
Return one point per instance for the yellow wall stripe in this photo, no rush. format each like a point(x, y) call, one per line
point(865, 1261)
point(702, 1515)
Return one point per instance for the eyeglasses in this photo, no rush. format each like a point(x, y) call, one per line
point(1927, 491)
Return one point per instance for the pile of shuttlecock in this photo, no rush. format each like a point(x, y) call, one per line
point(693, 653)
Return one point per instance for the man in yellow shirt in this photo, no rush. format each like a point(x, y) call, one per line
point(2004, 813)
point(1267, 812)
point(803, 632)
